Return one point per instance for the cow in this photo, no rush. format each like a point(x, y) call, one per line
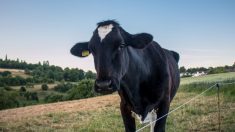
point(145, 75)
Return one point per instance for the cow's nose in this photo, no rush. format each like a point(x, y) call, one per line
point(103, 84)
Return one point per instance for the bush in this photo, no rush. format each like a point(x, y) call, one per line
point(26, 95)
point(31, 96)
point(44, 87)
point(22, 89)
point(216, 70)
point(34, 96)
point(5, 74)
point(8, 88)
point(53, 98)
point(8, 99)
point(63, 87)
point(84, 89)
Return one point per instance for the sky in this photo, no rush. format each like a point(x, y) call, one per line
point(201, 31)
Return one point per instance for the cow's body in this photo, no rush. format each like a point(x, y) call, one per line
point(145, 75)
point(150, 83)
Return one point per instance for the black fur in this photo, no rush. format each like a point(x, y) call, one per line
point(103, 23)
point(145, 75)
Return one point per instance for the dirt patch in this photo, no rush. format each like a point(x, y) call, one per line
point(11, 70)
point(16, 72)
point(67, 106)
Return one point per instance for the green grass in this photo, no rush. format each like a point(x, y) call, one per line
point(199, 84)
point(40, 93)
point(209, 78)
point(199, 115)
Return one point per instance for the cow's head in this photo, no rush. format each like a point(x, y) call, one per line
point(109, 46)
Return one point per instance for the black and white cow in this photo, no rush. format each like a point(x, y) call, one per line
point(145, 75)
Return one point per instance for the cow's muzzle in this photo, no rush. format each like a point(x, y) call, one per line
point(104, 87)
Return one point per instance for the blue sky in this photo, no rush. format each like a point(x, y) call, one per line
point(202, 31)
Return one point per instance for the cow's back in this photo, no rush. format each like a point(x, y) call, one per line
point(162, 62)
point(169, 60)
point(173, 58)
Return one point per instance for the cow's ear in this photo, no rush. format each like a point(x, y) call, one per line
point(140, 40)
point(80, 49)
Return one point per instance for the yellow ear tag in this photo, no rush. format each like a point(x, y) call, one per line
point(85, 53)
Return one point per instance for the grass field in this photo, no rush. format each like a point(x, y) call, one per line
point(209, 78)
point(101, 114)
point(16, 72)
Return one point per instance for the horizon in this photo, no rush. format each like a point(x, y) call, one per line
point(14, 59)
point(202, 32)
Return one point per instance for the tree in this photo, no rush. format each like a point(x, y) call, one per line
point(90, 75)
point(84, 89)
point(73, 74)
point(63, 87)
point(44, 87)
point(6, 74)
point(6, 58)
point(182, 69)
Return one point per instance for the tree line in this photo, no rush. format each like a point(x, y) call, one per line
point(210, 70)
point(40, 73)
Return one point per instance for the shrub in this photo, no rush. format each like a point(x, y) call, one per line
point(8, 88)
point(8, 99)
point(22, 89)
point(63, 87)
point(6, 74)
point(84, 89)
point(26, 95)
point(44, 87)
point(34, 96)
point(53, 98)
point(31, 96)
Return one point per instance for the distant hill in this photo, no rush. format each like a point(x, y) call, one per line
point(16, 72)
point(23, 84)
point(39, 73)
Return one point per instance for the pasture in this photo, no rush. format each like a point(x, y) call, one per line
point(16, 72)
point(102, 113)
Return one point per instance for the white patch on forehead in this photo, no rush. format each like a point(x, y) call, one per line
point(104, 30)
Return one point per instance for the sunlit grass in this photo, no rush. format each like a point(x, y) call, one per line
point(209, 78)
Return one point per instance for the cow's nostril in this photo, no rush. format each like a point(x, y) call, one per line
point(103, 83)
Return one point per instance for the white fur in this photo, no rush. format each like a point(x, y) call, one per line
point(152, 116)
point(104, 30)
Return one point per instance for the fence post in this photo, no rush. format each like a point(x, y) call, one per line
point(218, 96)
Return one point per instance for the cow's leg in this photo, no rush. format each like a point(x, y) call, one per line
point(162, 110)
point(129, 121)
